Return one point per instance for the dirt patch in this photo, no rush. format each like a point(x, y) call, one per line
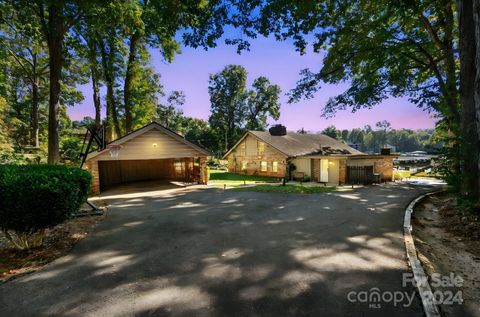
point(59, 240)
point(447, 240)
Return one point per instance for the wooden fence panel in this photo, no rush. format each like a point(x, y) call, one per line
point(360, 174)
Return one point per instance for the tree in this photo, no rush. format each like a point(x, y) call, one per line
point(262, 102)
point(476, 17)
point(228, 98)
point(169, 115)
point(199, 131)
point(331, 131)
point(89, 49)
point(26, 52)
point(56, 19)
point(470, 138)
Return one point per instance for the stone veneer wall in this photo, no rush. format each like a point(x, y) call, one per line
point(236, 157)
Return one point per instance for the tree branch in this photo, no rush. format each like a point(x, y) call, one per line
point(433, 34)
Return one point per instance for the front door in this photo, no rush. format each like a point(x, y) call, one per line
point(324, 170)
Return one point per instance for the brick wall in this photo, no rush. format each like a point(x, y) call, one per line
point(92, 167)
point(342, 172)
point(315, 170)
point(384, 167)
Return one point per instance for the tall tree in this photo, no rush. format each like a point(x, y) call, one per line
point(24, 43)
point(89, 49)
point(476, 18)
point(56, 19)
point(228, 98)
point(470, 144)
point(262, 102)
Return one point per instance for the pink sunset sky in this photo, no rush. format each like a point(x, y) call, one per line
point(279, 62)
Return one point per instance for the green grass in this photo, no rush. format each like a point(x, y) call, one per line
point(220, 176)
point(398, 175)
point(289, 188)
point(401, 174)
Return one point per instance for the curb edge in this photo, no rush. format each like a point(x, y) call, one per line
point(419, 274)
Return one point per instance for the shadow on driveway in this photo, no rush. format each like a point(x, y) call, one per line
point(210, 252)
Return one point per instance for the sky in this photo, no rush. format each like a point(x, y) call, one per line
point(281, 64)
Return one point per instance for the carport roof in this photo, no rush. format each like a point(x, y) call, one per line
point(148, 127)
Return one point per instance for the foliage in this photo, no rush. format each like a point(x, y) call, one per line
point(404, 140)
point(36, 197)
point(331, 131)
point(199, 131)
point(234, 108)
point(217, 176)
point(381, 48)
point(263, 101)
point(168, 114)
point(228, 98)
point(70, 149)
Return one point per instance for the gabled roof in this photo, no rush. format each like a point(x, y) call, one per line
point(298, 144)
point(148, 127)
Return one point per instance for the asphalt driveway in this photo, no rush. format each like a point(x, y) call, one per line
point(213, 253)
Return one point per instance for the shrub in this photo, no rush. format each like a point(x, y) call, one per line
point(36, 197)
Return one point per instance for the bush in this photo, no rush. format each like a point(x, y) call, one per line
point(36, 197)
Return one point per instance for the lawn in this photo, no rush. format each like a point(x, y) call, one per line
point(289, 188)
point(221, 177)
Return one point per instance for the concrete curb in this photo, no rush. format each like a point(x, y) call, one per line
point(421, 278)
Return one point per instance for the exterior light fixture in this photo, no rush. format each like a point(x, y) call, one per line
point(114, 149)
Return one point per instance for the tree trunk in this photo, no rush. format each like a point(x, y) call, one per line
point(467, 99)
point(34, 114)
point(112, 124)
point(450, 68)
point(95, 84)
point(96, 99)
point(55, 39)
point(129, 76)
point(476, 18)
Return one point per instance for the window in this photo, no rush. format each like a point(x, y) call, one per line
point(263, 166)
point(260, 148)
point(275, 167)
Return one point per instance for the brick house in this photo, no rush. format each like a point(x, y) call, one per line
point(315, 156)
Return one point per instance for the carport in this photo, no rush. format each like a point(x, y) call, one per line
point(149, 153)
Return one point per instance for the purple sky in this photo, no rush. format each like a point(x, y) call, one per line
point(279, 62)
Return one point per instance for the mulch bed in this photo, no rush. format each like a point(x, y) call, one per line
point(457, 220)
point(59, 240)
point(447, 237)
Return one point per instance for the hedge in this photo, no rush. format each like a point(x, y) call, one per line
point(36, 197)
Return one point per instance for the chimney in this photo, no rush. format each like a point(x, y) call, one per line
point(385, 151)
point(278, 130)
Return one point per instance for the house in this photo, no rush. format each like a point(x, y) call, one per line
point(316, 156)
point(149, 153)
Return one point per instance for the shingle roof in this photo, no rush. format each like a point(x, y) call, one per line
point(297, 144)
